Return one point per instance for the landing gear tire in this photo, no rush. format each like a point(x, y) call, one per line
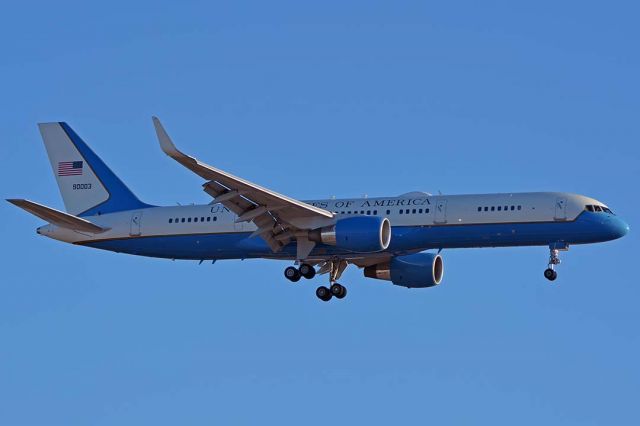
point(292, 274)
point(323, 293)
point(550, 274)
point(307, 271)
point(338, 291)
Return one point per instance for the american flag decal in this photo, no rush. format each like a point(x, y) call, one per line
point(70, 168)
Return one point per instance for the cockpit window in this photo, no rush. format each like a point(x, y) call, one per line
point(596, 208)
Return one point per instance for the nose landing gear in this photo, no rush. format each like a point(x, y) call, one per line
point(550, 274)
point(554, 259)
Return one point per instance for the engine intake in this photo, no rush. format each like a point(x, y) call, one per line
point(413, 271)
point(361, 234)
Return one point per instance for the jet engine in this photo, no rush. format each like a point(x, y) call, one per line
point(365, 234)
point(412, 271)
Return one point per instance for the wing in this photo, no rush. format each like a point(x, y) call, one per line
point(279, 219)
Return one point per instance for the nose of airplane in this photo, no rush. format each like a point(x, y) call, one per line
point(617, 227)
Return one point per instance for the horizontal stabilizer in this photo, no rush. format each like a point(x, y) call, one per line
point(56, 217)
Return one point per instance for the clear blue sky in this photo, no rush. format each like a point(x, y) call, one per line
point(335, 98)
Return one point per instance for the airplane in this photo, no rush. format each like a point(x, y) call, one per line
point(397, 239)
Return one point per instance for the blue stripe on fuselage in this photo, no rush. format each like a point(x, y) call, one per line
point(587, 228)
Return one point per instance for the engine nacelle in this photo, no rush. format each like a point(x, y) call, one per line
point(365, 234)
point(413, 271)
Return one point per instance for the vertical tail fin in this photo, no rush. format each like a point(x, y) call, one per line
point(88, 187)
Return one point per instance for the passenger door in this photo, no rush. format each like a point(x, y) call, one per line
point(441, 211)
point(561, 209)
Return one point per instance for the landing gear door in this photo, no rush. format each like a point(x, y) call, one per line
point(441, 211)
point(136, 223)
point(561, 209)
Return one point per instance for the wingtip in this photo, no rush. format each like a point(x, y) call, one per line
point(166, 143)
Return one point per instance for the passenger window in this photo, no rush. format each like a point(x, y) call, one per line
point(426, 211)
point(493, 208)
point(388, 211)
point(420, 211)
point(182, 220)
point(215, 218)
point(414, 211)
point(519, 207)
point(202, 219)
point(361, 211)
point(176, 220)
point(368, 212)
point(189, 220)
point(513, 208)
point(400, 211)
point(375, 212)
point(195, 219)
point(479, 209)
point(486, 209)
point(208, 218)
point(170, 220)
point(348, 212)
point(499, 208)
point(506, 208)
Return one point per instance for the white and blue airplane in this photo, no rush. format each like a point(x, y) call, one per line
point(387, 237)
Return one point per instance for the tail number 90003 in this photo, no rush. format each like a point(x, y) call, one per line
point(80, 186)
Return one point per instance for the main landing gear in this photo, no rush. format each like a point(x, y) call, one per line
point(336, 290)
point(333, 267)
point(554, 259)
point(294, 274)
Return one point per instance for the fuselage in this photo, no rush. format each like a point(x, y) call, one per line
point(419, 221)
